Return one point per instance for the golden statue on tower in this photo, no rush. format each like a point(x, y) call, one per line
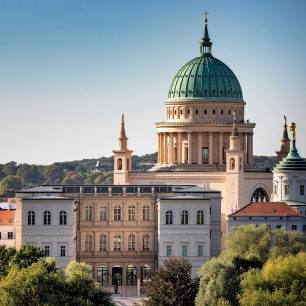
point(292, 130)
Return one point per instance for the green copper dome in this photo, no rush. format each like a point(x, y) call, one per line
point(293, 161)
point(206, 77)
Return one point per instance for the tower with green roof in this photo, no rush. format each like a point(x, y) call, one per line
point(289, 177)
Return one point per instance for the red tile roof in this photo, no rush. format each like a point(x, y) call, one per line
point(263, 209)
point(5, 215)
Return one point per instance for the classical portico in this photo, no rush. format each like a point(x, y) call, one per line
point(200, 146)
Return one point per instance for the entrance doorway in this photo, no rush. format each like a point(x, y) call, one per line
point(117, 275)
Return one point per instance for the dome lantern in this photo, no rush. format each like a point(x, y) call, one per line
point(205, 41)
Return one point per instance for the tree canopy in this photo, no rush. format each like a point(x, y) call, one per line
point(252, 253)
point(172, 285)
point(28, 279)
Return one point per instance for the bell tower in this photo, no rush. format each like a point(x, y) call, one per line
point(234, 172)
point(285, 144)
point(122, 158)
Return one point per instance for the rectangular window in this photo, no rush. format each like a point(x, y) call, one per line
point(214, 111)
point(205, 111)
point(200, 250)
point(286, 189)
point(47, 251)
point(302, 189)
point(221, 111)
point(63, 251)
point(11, 220)
point(10, 235)
point(294, 227)
point(184, 250)
point(169, 250)
point(205, 154)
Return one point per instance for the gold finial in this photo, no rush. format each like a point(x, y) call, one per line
point(292, 130)
point(205, 17)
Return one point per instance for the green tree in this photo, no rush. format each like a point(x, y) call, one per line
point(26, 256)
point(172, 285)
point(43, 284)
point(282, 281)
point(81, 289)
point(10, 184)
point(35, 285)
point(29, 175)
point(6, 255)
point(10, 168)
point(250, 241)
point(248, 247)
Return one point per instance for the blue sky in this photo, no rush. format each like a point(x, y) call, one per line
point(70, 68)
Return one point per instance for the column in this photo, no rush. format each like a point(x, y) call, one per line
point(179, 148)
point(251, 146)
point(210, 149)
point(250, 140)
point(245, 148)
point(200, 148)
point(159, 148)
point(165, 149)
point(189, 148)
point(221, 148)
point(170, 153)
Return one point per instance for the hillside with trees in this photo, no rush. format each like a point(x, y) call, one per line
point(15, 176)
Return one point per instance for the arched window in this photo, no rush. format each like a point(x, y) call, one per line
point(131, 274)
point(88, 213)
point(103, 213)
point(232, 164)
point(103, 243)
point(117, 243)
point(103, 275)
point(184, 217)
point(128, 164)
point(169, 217)
point(31, 217)
point(200, 217)
point(88, 243)
point(119, 164)
point(63, 217)
point(132, 213)
point(259, 195)
point(145, 242)
point(131, 242)
point(145, 274)
point(47, 217)
point(117, 213)
point(146, 213)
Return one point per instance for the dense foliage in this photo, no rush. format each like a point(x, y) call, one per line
point(29, 279)
point(172, 285)
point(243, 272)
point(15, 176)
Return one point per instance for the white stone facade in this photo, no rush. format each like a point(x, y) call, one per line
point(189, 226)
point(46, 222)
